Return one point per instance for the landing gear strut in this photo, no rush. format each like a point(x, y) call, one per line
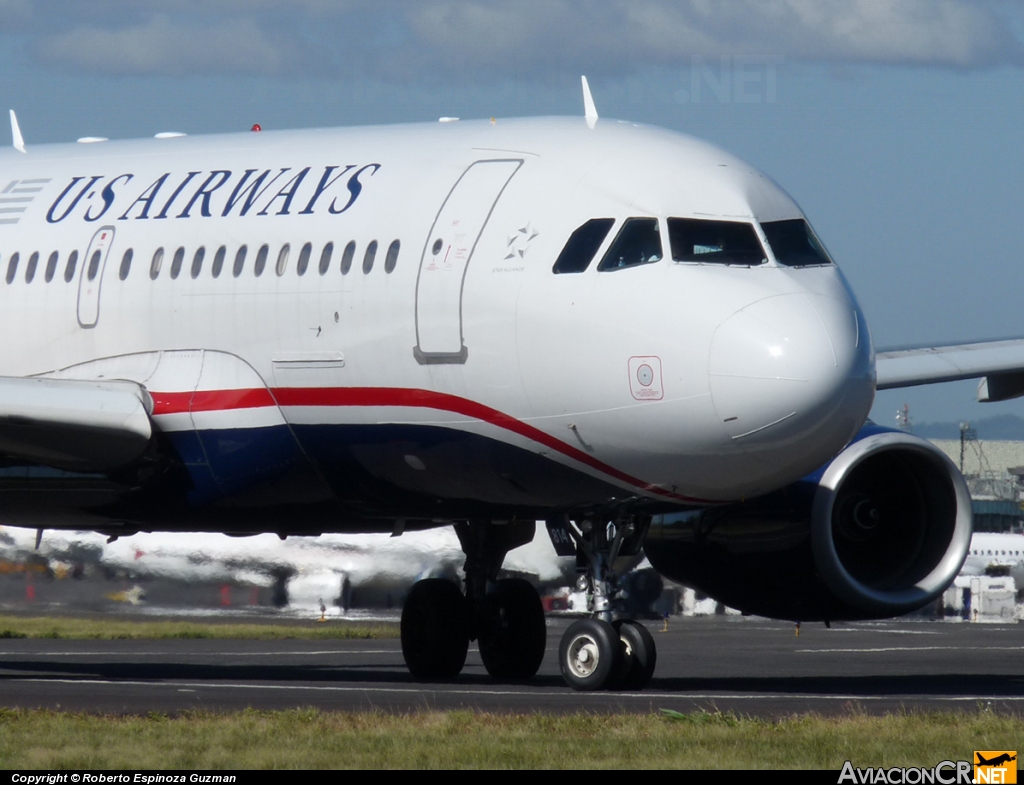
point(596, 653)
point(505, 616)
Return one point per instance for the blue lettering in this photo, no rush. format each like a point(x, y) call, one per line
point(178, 190)
point(204, 192)
point(49, 215)
point(146, 198)
point(252, 192)
point(288, 192)
point(323, 185)
point(108, 197)
point(354, 188)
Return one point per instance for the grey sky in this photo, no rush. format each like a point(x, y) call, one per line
point(896, 125)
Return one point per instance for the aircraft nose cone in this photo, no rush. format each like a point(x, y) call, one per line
point(792, 373)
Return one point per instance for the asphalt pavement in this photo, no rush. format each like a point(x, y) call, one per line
point(750, 666)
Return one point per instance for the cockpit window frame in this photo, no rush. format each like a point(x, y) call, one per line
point(582, 246)
point(625, 244)
point(821, 257)
point(724, 257)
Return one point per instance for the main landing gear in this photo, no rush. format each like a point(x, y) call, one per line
point(597, 653)
point(505, 616)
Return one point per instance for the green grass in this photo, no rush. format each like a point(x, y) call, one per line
point(464, 739)
point(117, 629)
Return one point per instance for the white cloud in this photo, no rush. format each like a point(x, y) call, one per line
point(162, 46)
point(397, 40)
point(669, 32)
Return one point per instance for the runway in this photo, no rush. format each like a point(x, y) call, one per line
point(749, 666)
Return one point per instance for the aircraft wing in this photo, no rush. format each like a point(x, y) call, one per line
point(74, 425)
point(999, 364)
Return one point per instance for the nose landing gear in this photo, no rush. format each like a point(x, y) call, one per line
point(597, 653)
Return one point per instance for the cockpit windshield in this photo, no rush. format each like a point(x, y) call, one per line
point(794, 243)
point(714, 242)
point(638, 242)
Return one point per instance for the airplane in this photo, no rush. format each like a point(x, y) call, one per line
point(993, 553)
point(998, 760)
point(622, 331)
point(343, 569)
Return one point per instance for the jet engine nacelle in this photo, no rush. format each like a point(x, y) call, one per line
point(879, 531)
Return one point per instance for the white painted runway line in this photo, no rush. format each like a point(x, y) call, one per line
point(909, 648)
point(420, 690)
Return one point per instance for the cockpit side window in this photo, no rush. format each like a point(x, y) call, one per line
point(638, 242)
point(795, 244)
point(582, 245)
point(714, 242)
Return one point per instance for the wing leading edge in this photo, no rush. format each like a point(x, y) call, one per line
point(80, 426)
point(999, 365)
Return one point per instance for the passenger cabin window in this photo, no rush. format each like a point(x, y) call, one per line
point(218, 261)
point(126, 264)
point(638, 242)
point(12, 267)
point(30, 268)
point(347, 256)
point(714, 242)
point(392, 258)
point(69, 269)
point(371, 252)
point(176, 262)
point(582, 245)
point(156, 264)
point(51, 266)
point(325, 258)
point(261, 260)
point(94, 264)
point(239, 265)
point(282, 258)
point(795, 244)
point(197, 261)
point(303, 264)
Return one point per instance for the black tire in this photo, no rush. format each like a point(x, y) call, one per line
point(639, 656)
point(512, 630)
point(589, 654)
point(435, 630)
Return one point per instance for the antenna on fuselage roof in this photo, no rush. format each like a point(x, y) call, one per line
point(19, 142)
point(589, 110)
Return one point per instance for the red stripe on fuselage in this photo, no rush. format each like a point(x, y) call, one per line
point(211, 400)
point(218, 400)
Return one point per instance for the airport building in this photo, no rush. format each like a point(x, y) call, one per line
point(994, 471)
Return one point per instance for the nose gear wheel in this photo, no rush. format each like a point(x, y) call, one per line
point(589, 654)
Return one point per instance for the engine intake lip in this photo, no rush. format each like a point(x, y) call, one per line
point(927, 538)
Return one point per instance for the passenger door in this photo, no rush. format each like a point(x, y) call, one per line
point(446, 257)
point(91, 277)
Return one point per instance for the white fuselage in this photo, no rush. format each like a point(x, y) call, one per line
point(676, 382)
point(994, 551)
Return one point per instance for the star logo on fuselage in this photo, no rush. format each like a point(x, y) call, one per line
point(518, 242)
